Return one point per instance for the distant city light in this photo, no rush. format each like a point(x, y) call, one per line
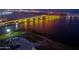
point(5, 13)
point(21, 10)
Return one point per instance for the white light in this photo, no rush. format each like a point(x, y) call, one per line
point(16, 25)
point(8, 30)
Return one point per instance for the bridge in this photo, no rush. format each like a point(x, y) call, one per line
point(41, 23)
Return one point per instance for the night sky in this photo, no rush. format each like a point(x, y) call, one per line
point(57, 10)
point(61, 10)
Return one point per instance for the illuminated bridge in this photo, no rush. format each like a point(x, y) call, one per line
point(41, 23)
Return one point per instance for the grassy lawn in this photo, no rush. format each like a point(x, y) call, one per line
point(10, 35)
point(32, 37)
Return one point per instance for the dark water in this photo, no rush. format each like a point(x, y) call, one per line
point(68, 32)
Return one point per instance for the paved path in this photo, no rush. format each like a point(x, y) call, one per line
point(25, 44)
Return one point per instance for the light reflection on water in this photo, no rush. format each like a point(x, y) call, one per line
point(42, 25)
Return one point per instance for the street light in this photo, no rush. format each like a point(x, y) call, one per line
point(8, 30)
